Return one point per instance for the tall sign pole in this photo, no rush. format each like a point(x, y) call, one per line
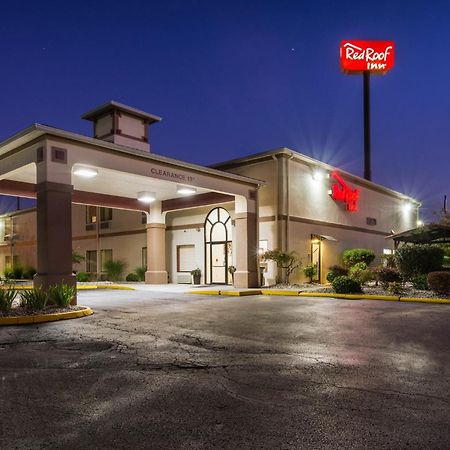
point(366, 106)
point(366, 58)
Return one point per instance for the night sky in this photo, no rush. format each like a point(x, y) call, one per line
point(234, 78)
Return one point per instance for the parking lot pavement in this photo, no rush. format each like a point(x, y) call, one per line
point(164, 370)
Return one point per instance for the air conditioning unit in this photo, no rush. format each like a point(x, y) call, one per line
point(184, 278)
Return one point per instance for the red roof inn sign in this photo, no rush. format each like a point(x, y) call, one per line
point(342, 192)
point(371, 56)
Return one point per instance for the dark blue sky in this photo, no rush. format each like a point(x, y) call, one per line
point(232, 78)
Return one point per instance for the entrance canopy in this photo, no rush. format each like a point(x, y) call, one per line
point(117, 169)
point(427, 234)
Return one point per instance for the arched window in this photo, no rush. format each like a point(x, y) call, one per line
point(218, 246)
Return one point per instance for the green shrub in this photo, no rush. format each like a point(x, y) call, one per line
point(336, 271)
point(354, 256)
point(7, 297)
point(82, 277)
point(395, 288)
point(114, 269)
point(28, 272)
point(140, 272)
point(310, 271)
point(17, 270)
point(388, 260)
point(34, 298)
point(416, 259)
point(132, 277)
point(346, 285)
point(420, 282)
point(360, 273)
point(61, 295)
point(439, 282)
point(8, 273)
point(386, 275)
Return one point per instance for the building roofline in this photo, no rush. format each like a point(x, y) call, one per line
point(113, 105)
point(292, 154)
point(39, 130)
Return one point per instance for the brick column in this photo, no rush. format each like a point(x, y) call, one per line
point(54, 235)
point(156, 246)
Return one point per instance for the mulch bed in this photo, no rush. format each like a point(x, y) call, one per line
point(370, 289)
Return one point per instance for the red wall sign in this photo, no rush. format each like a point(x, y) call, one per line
point(372, 56)
point(341, 192)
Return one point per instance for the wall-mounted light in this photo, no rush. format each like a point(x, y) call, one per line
point(420, 223)
point(186, 190)
point(407, 207)
point(85, 172)
point(319, 174)
point(146, 197)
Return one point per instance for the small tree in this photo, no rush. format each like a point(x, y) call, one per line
point(310, 271)
point(285, 261)
point(77, 258)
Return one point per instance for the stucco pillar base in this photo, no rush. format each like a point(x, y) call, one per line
point(246, 275)
point(44, 281)
point(156, 254)
point(156, 277)
point(246, 279)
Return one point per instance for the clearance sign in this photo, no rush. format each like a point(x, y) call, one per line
point(367, 56)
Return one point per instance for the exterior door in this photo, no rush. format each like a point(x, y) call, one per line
point(218, 246)
point(316, 255)
point(218, 264)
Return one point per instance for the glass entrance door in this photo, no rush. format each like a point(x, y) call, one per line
point(218, 246)
point(218, 264)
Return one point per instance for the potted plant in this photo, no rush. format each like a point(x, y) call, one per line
point(231, 270)
point(196, 274)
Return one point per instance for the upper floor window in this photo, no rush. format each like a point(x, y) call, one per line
point(93, 211)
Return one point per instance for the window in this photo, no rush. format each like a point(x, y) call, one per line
point(7, 261)
point(91, 261)
point(105, 256)
point(10, 228)
point(91, 214)
point(105, 214)
point(186, 258)
point(144, 257)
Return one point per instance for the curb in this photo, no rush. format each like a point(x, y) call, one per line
point(82, 287)
point(40, 318)
point(85, 287)
point(287, 293)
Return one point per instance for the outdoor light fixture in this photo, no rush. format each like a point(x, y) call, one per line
point(420, 223)
point(146, 197)
point(407, 207)
point(85, 172)
point(319, 174)
point(186, 190)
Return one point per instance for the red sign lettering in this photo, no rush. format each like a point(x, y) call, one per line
point(372, 56)
point(341, 192)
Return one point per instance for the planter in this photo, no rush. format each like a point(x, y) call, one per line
point(196, 279)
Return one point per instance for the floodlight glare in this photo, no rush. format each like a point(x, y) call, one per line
point(407, 207)
point(186, 190)
point(318, 174)
point(146, 197)
point(85, 172)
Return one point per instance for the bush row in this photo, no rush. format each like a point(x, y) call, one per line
point(34, 299)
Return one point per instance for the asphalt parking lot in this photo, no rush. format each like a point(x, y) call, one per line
point(155, 370)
